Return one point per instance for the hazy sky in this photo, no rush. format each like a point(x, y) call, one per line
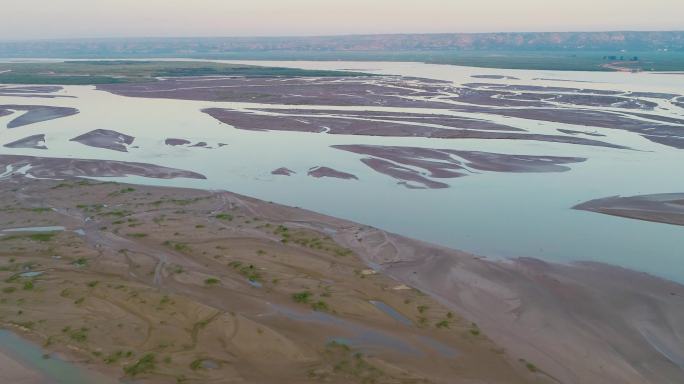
point(27, 19)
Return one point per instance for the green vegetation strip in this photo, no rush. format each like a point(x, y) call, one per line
point(127, 71)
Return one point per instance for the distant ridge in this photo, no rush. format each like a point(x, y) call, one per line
point(505, 41)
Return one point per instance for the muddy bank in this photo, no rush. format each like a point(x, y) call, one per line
point(348, 125)
point(107, 139)
point(535, 96)
point(389, 91)
point(407, 177)
point(319, 172)
point(580, 323)
point(679, 102)
point(553, 104)
point(668, 134)
point(449, 121)
point(36, 114)
point(662, 208)
point(540, 88)
point(573, 132)
point(27, 90)
point(175, 142)
point(282, 171)
point(417, 167)
point(654, 95)
point(494, 77)
point(38, 91)
point(32, 142)
point(58, 168)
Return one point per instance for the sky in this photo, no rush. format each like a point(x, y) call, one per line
point(41, 19)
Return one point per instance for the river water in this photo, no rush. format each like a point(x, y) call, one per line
point(491, 214)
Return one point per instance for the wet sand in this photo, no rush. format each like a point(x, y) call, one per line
point(428, 164)
point(175, 142)
point(107, 139)
point(494, 77)
point(662, 208)
point(319, 172)
point(679, 102)
point(32, 142)
point(348, 125)
point(667, 134)
point(551, 104)
point(36, 114)
point(403, 117)
point(573, 132)
point(282, 171)
point(37, 91)
point(581, 323)
point(347, 91)
point(58, 168)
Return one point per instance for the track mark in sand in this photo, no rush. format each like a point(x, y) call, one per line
point(133, 312)
point(197, 327)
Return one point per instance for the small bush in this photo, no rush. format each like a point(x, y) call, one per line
point(79, 335)
point(41, 236)
point(320, 306)
point(196, 364)
point(301, 297)
point(144, 364)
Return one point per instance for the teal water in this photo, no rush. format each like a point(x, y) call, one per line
point(55, 369)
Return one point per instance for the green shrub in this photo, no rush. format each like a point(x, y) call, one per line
point(143, 365)
point(320, 306)
point(224, 216)
point(301, 297)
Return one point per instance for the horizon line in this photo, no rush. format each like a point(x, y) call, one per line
point(335, 35)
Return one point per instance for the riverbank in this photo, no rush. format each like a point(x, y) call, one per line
point(162, 284)
point(195, 278)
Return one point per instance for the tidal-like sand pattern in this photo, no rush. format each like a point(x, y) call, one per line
point(398, 125)
point(31, 142)
point(107, 139)
point(56, 168)
point(320, 171)
point(419, 167)
point(662, 208)
point(35, 114)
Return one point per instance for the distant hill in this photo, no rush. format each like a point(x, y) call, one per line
point(544, 41)
point(537, 50)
